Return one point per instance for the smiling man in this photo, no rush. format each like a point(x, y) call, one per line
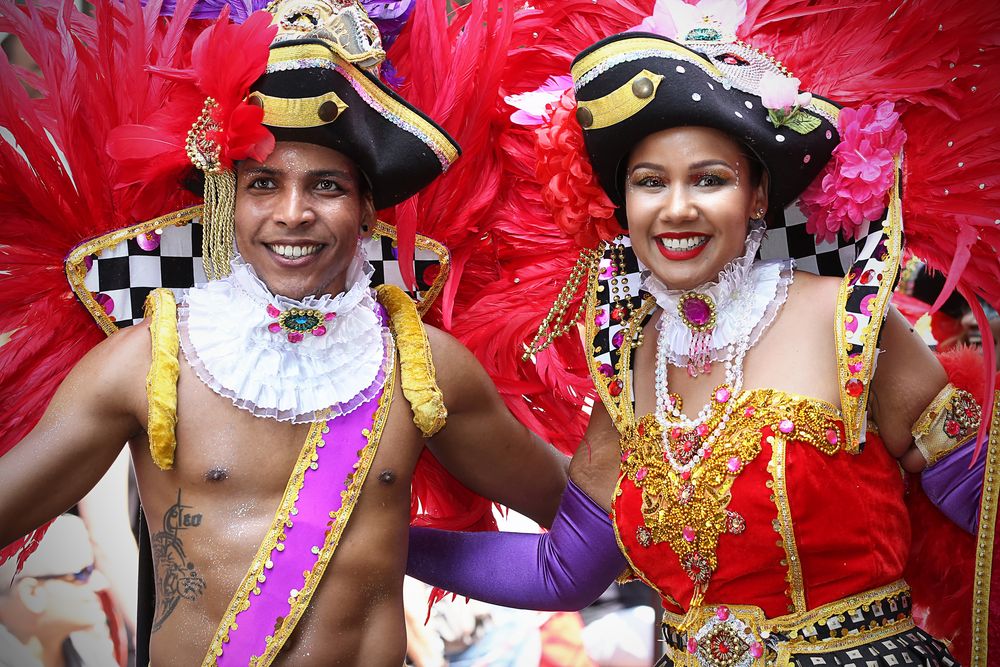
point(276, 413)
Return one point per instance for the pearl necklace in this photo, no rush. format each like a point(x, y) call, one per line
point(682, 434)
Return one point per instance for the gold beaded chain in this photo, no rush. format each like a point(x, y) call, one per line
point(554, 325)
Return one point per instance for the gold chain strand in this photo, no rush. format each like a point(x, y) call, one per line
point(553, 326)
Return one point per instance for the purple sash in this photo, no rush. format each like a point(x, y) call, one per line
point(321, 493)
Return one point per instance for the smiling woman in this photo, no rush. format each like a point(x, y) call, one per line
point(300, 216)
point(689, 193)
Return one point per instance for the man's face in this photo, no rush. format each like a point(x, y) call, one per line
point(298, 218)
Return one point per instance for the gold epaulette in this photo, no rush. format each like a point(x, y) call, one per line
point(161, 381)
point(416, 366)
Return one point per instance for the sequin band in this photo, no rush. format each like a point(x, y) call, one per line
point(741, 635)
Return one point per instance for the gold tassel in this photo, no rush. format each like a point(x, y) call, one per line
point(218, 223)
point(584, 266)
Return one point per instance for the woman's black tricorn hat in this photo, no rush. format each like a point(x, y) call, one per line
point(631, 85)
point(321, 87)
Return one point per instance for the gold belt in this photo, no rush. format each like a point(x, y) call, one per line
point(742, 636)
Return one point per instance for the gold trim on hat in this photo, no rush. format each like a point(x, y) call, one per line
point(299, 111)
point(621, 104)
point(625, 46)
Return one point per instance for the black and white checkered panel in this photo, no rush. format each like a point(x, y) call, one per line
point(623, 288)
point(384, 258)
point(122, 276)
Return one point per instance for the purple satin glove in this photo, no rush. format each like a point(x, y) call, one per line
point(955, 487)
point(562, 570)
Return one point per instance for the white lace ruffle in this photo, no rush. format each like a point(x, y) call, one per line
point(224, 333)
point(748, 295)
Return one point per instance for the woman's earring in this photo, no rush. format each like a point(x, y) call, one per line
point(758, 214)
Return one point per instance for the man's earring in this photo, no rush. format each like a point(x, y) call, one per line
point(758, 214)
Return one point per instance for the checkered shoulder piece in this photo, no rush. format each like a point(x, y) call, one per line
point(113, 274)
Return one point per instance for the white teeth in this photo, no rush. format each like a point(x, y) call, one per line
point(681, 245)
point(294, 251)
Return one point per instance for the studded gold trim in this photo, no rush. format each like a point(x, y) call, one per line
point(783, 525)
point(76, 268)
point(930, 435)
point(793, 625)
point(620, 104)
point(299, 111)
point(854, 408)
point(985, 542)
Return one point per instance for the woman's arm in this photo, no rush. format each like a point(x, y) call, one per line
point(564, 569)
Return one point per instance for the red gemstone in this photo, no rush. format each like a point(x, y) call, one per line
point(641, 429)
point(697, 311)
point(615, 388)
point(855, 387)
point(618, 314)
point(952, 427)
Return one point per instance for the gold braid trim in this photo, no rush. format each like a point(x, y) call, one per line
point(985, 541)
point(416, 366)
point(218, 223)
point(161, 381)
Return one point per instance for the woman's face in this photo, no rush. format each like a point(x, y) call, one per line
point(688, 196)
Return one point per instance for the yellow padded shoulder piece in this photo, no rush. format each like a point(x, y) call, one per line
point(161, 382)
point(416, 367)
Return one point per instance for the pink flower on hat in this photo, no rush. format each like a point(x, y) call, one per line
point(853, 186)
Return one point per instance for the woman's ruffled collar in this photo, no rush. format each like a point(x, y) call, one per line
point(747, 296)
point(290, 360)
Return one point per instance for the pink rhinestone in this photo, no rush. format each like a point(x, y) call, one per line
point(626, 454)
point(272, 311)
point(701, 430)
point(786, 426)
point(734, 464)
point(294, 337)
point(749, 412)
point(675, 432)
point(707, 453)
point(692, 645)
point(722, 395)
point(274, 327)
point(722, 613)
point(756, 649)
point(831, 436)
point(686, 474)
point(319, 331)
point(688, 533)
point(329, 316)
point(697, 311)
point(640, 474)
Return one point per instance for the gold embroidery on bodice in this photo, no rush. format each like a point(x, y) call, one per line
point(687, 506)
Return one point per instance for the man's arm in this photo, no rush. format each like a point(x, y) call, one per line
point(92, 415)
point(484, 446)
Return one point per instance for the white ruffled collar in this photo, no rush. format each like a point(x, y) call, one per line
point(325, 359)
point(747, 297)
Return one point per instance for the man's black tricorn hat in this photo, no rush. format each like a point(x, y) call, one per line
point(321, 86)
point(631, 85)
